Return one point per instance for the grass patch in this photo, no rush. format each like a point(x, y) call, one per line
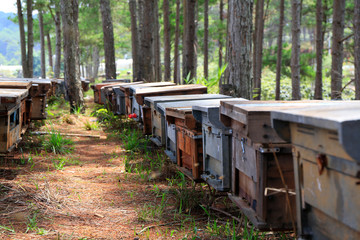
point(57, 143)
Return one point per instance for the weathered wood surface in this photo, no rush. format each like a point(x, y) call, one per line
point(327, 170)
point(12, 95)
point(15, 85)
point(128, 90)
point(171, 90)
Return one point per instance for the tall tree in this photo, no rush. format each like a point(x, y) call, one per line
point(57, 20)
point(147, 41)
point(357, 47)
point(206, 39)
point(319, 49)
point(48, 39)
point(279, 50)
point(134, 40)
point(337, 48)
point(295, 49)
point(220, 41)
point(109, 48)
point(176, 47)
point(167, 46)
point(258, 48)
point(69, 13)
point(26, 46)
point(238, 72)
point(189, 65)
point(156, 43)
point(42, 44)
point(96, 62)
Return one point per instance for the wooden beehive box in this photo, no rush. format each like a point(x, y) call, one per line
point(115, 99)
point(128, 90)
point(85, 85)
point(98, 98)
point(216, 146)
point(188, 142)
point(326, 160)
point(12, 104)
point(164, 132)
point(255, 176)
point(157, 127)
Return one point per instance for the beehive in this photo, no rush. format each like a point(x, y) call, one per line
point(326, 160)
point(12, 104)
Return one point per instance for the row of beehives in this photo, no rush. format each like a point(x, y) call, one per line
point(23, 100)
point(285, 164)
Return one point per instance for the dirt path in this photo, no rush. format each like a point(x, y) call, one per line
point(99, 193)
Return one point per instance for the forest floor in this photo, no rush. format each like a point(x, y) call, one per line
point(113, 184)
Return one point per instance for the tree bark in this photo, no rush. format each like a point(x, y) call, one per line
point(176, 47)
point(319, 50)
point(134, 40)
point(189, 40)
point(258, 48)
point(295, 50)
point(22, 39)
point(30, 39)
point(57, 20)
point(206, 39)
point(238, 72)
point(96, 62)
point(221, 7)
point(69, 13)
point(49, 51)
point(156, 46)
point(147, 42)
point(110, 66)
point(337, 48)
point(167, 47)
point(357, 48)
point(279, 50)
point(42, 45)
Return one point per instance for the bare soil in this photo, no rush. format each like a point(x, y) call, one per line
point(94, 196)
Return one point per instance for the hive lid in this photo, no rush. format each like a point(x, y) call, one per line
point(150, 85)
point(161, 107)
point(175, 98)
point(124, 80)
point(178, 88)
point(12, 95)
point(340, 116)
point(15, 84)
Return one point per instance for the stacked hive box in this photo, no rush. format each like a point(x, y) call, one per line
point(327, 168)
point(12, 105)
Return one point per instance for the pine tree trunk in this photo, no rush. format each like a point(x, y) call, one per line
point(295, 50)
point(110, 66)
point(134, 40)
point(96, 63)
point(167, 47)
point(206, 39)
point(319, 50)
point(357, 48)
point(69, 13)
point(258, 48)
point(176, 47)
point(189, 66)
point(220, 41)
point(49, 51)
point(238, 73)
point(58, 42)
point(147, 42)
point(22, 39)
point(30, 39)
point(156, 46)
point(279, 50)
point(42, 45)
point(337, 48)
point(140, 17)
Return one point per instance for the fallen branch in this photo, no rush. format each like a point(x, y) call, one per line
point(67, 134)
point(164, 224)
point(227, 214)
